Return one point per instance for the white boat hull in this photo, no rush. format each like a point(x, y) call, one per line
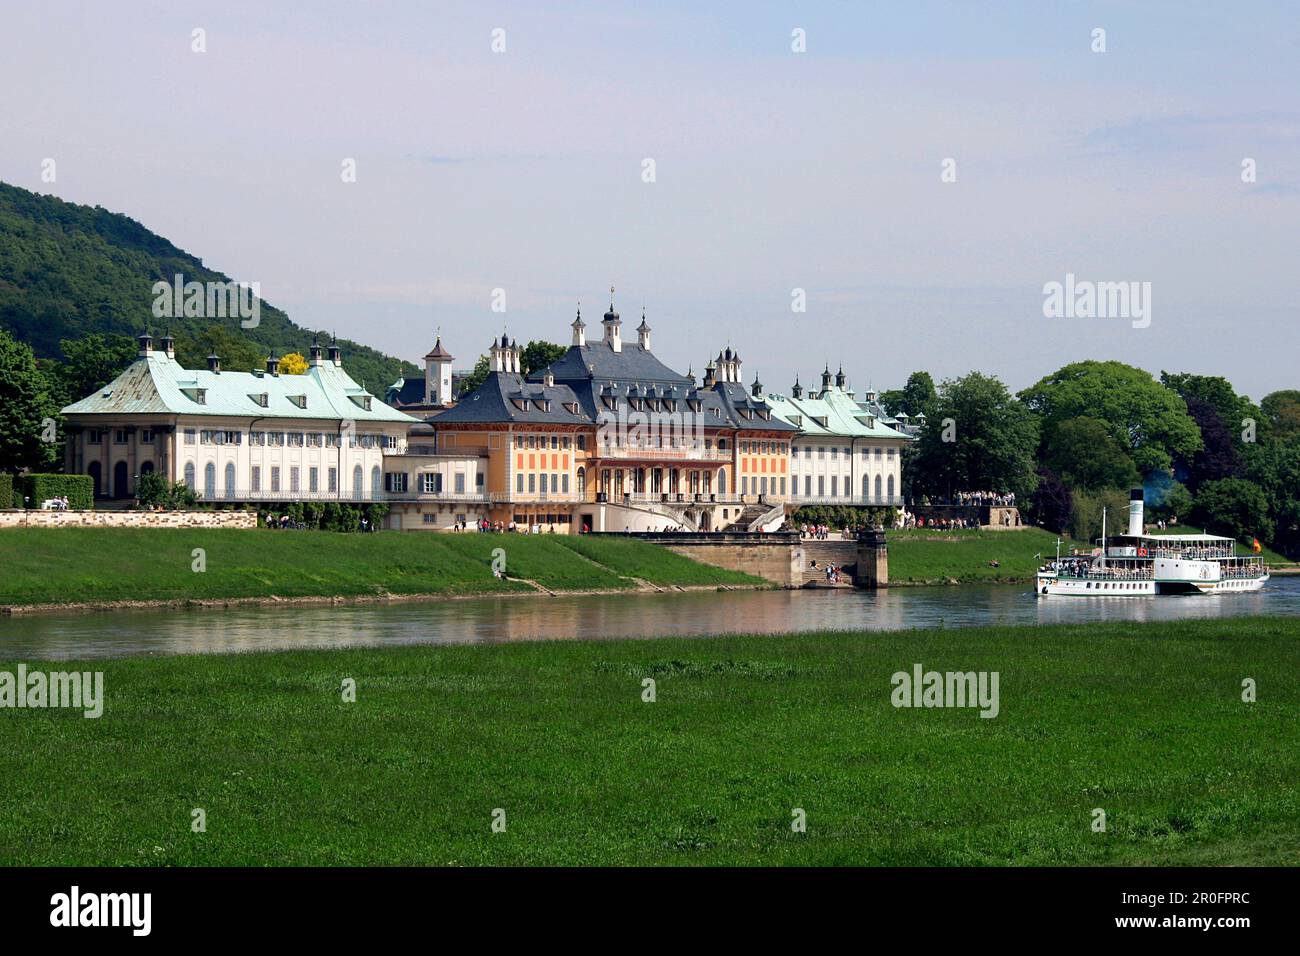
point(1048, 585)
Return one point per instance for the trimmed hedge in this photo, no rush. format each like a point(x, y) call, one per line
point(80, 489)
point(6, 490)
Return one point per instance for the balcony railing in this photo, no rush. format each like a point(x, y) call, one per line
point(250, 494)
point(860, 501)
point(687, 452)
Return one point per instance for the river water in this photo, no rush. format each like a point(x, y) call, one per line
point(494, 620)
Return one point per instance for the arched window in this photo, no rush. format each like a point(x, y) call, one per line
point(230, 479)
point(722, 481)
point(189, 474)
point(866, 487)
point(376, 481)
point(96, 476)
point(209, 480)
point(582, 480)
point(877, 487)
point(357, 487)
point(891, 486)
point(146, 468)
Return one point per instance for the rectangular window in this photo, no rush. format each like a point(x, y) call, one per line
point(257, 438)
point(543, 482)
point(293, 478)
point(582, 443)
point(821, 486)
point(565, 479)
point(835, 486)
point(395, 481)
point(95, 436)
point(275, 439)
point(431, 483)
point(519, 482)
point(334, 479)
point(146, 436)
point(275, 477)
point(120, 436)
point(390, 441)
point(313, 479)
point(478, 481)
point(532, 483)
point(807, 486)
point(315, 439)
point(295, 439)
point(460, 484)
point(256, 479)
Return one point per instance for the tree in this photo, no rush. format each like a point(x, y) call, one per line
point(1234, 507)
point(1090, 507)
point(1052, 502)
point(1218, 457)
point(1141, 414)
point(293, 364)
point(91, 363)
point(1084, 453)
point(27, 410)
point(978, 439)
point(1281, 414)
point(237, 353)
point(538, 354)
point(1217, 391)
point(1275, 468)
point(475, 378)
point(916, 397)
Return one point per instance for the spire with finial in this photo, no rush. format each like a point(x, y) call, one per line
point(797, 390)
point(643, 332)
point(613, 326)
point(579, 328)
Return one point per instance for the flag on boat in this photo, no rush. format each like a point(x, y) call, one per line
point(1256, 546)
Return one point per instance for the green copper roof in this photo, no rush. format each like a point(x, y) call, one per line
point(157, 384)
point(843, 416)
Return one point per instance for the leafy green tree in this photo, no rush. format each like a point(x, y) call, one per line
point(237, 353)
point(1169, 501)
point(1142, 415)
point(1089, 508)
point(475, 378)
point(1275, 468)
point(1234, 507)
point(916, 397)
point(1281, 414)
point(978, 439)
point(26, 409)
point(90, 363)
point(1084, 453)
point(538, 354)
point(1215, 390)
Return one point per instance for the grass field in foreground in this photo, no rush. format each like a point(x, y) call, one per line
point(1144, 721)
point(58, 565)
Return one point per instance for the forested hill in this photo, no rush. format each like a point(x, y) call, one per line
point(67, 271)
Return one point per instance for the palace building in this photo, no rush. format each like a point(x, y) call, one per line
point(607, 438)
point(845, 453)
point(236, 436)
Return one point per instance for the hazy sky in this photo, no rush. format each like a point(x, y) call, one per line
point(775, 170)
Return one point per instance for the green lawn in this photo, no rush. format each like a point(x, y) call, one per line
point(1144, 721)
point(45, 566)
point(926, 556)
point(632, 558)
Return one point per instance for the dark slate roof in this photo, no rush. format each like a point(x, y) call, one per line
point(405, 391)
point(598, 360)
point(438, 351)
point(498, 400)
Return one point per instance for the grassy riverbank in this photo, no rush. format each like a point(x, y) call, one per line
point(925, 556)
point(91, 565)
point(1144, 721)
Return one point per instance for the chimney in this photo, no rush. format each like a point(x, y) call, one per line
point(273, 365)
point(336, 353)
point(169, 346)
point(146, 344)
point(1135, 528)
point(214, 363)
point(316, 352)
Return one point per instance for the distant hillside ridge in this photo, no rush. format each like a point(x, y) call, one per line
point(68, 270)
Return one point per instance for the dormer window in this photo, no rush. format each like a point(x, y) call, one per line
point(362, 401)
point(263, 399)
point(299, 400)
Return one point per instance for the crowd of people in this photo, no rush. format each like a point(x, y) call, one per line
point(910, 520)
point(484, 526)
point(986, 499)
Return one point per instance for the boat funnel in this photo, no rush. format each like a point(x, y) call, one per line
point(1135, 528)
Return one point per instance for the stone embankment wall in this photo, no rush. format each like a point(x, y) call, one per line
point(128, 519)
